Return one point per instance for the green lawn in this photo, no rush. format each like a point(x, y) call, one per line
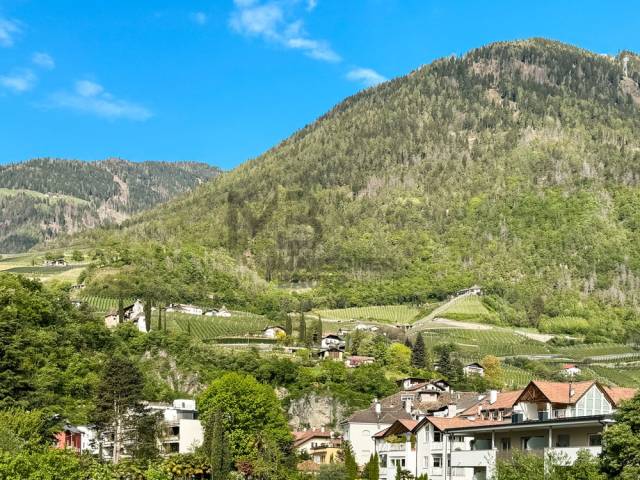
point(393, 314)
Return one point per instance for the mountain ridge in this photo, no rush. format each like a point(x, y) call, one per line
point(44, 197)
point(514, 166)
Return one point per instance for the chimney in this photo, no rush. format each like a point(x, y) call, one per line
point(572, 391)
point(322, 429)
point(493, 396)
point(452, 409)
point(377, 406)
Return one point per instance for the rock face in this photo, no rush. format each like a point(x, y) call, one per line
point(316, 411)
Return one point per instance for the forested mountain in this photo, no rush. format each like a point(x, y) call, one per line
point(515, 166)
point(44, 197)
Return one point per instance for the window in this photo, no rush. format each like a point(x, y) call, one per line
point(383, 460)
point(398, 461)
point(505, 443)
point(595, 440)
point(437, 436)
point(563, 440)
point(404, 398)
point(437, 461)
point(458, 438)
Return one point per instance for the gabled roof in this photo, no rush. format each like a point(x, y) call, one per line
point(474, 364)
point(399, 426)
point(560, 392)
point(462, 401)
point(386, 416)
point(301, 437)
point(567, 366)
point(620, 394)
point(504, 400)
point(445, 423)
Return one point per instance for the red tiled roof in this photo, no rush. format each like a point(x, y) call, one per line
point(619, 394)
point(505, 400)
point(444, 423)
point(558, 392)
point(301, 437)
point(566, 366)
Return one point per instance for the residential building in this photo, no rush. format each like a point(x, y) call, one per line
point(473, 369)
point(547, 418)
point(360, 427)
point(332, 340)
point(185, 308)
point(493, 406)
point(183, 432)
point(273, 331)
point(331, 353)
point(70, 437)
point(416, 398)
point(570, 370)
point(320, 445)
point(133, 313)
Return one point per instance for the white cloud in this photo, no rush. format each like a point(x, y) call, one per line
point(91, 98)
point(366, 76)
point(311, 4)
point(43, 60)
point(8, 31)
point(19, 81)
point(199, 18)
point(272, 23)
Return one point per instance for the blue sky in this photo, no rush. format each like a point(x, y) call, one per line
point(221, 81)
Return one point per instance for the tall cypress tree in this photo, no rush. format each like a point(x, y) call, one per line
point(288, 326)
point(417, 353)
point(216, 446)
point(120, 310)
point(350, 465)
point(302, 329)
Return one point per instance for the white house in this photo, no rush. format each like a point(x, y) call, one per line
point(133, 313)
point(332, 340)
point(183, 432)
point(273, 332)
point(473, 369)
point(548, 418)
point(570, 370)
point(223, 312)
point(185, 308)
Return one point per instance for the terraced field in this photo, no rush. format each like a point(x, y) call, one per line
point(104, 304)
point(478, 343)
point(515, 377)
point(393, 314)
point(624, 377)
point(209, 328)
point(601, 350)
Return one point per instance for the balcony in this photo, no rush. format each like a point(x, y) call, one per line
point(568, 455)
point(394, 447)
point(473, 458)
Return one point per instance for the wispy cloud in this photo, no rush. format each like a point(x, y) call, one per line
point(19, 81)
point(277, 22)
point(312, 4)
point(9, 29)
point(366, 76)
point(91, 98)
point(199, 18)
point(43, 60)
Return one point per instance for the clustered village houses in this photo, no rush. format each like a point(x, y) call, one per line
point(424, 428)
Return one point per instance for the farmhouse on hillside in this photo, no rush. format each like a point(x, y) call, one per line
point(570, 370)
point(473, 369)
point(185, 308)
point(273, 331)
point(132, 313)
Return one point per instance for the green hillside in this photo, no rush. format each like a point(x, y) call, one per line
point(515, 166)
point(43, 198)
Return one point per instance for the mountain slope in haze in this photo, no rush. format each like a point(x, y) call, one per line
point(42, 198)
point(515, 166)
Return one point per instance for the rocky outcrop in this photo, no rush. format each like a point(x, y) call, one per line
point(316, 411)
